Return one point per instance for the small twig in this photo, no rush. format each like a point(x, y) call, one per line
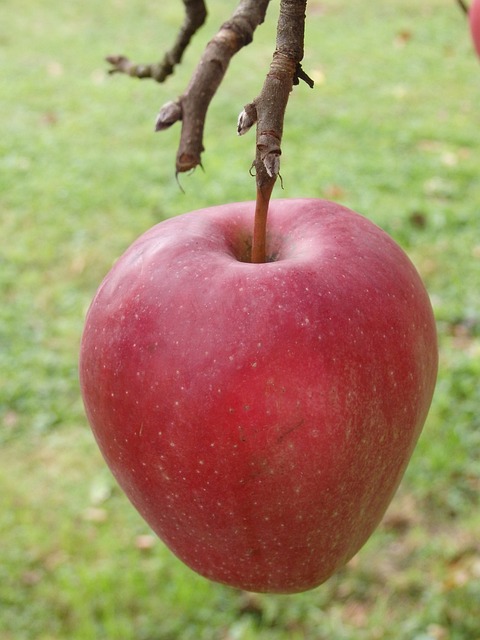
point(191, 107)
point(195, 15)
point(301, 75)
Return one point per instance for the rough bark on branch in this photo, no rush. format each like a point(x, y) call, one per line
point(195, 15)
point(268, 109)
point(191, 107)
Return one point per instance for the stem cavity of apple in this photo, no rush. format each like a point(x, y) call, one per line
point(195, 16)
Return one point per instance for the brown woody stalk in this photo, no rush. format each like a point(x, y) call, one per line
point(268, 111)
point(191, 107)
point(195, 15)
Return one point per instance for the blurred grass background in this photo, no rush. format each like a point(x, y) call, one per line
point(392, 129)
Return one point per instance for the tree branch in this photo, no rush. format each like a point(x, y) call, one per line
point(191, 107)
point(195, 15)
point(268, 111)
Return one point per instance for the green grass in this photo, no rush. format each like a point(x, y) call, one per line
point(392, 129)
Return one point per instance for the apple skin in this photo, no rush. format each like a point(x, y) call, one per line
point(474, 20)
point(260, 416)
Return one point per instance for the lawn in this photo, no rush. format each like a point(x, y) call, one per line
point(392, 130)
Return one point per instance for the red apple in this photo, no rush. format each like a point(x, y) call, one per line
point(260, 416)
point(474, 19)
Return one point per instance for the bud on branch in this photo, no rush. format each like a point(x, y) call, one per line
point(170, 113)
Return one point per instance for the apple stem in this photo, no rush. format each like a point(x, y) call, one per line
point(463, 6)
point(259, 240)
point(268, 112)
